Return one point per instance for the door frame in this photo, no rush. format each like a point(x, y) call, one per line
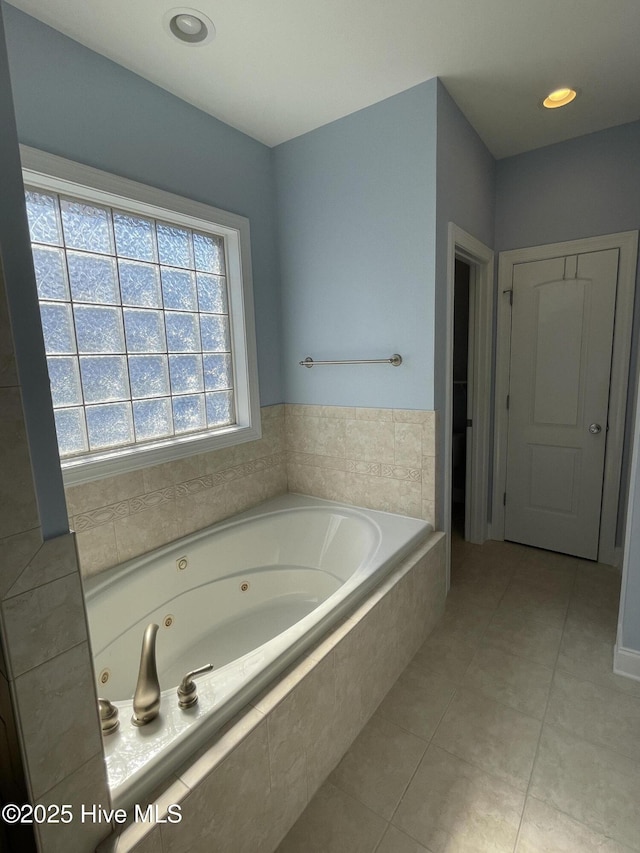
point(627, 243)
point(480, 258)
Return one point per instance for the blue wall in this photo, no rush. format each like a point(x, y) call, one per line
point(75, 103)
point(465, 196)
point(580, 188)
point(356, 205)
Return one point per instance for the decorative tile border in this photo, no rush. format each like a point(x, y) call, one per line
point(97, 517)
point(353, 444)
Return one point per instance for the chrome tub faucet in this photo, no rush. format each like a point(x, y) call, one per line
point(146, 699)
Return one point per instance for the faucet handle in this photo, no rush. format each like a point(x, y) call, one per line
point(109, 721)
point(187, 695)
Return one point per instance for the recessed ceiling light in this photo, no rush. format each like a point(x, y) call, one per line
point(559, 98)
point(189, 26)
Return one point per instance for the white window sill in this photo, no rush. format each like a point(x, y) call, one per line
point(120, 460)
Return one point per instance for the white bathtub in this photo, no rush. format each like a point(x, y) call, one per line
point(256, 592)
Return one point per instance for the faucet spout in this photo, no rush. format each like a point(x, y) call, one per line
point(146, 699)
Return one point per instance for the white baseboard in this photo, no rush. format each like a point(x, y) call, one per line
point(626, 662)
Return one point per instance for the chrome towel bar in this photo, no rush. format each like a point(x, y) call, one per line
point(395, 361)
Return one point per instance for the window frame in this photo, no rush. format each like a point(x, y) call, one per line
point(43, 171)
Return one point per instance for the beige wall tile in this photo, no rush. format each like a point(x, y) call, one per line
point(43, 622)
point(150, 843)
point(169, 474)
point(312, 711)
point(85, 787)
point(428, 510)
point(200, 765)
point(379, 415)
point(338, 463)
point(413, 416)
point(324, 436)
point(17, 496)
point(139, 836)
point(428, 464)
point(144, 531)
point(359, 685)
point(269, 412)
point(55, 559)
point(308, 480)
point(196, 511)
point(408, 444)
point(370, 441)
point(217, 815)
point(17, 552)
point(291, 725)
point(109, 490)
point(429, 437)
point(97, 549)
point(384, 493)
point(58, 717)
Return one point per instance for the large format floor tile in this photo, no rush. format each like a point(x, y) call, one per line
point(595, 713)
point(525, 636)
point(418, 700)
point(379, 765)
point(546, 830)
point(395, 841)
point(592, 784)
point(511, 697)
point(491, 736)
point(453, 806)
point(587, 652)
point(334, 822)
point(522, 685)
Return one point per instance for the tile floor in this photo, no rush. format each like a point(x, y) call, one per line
point(507, 732)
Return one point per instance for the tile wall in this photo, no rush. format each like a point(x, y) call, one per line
point(49, 729)
point(118, 518)
point(378, 458)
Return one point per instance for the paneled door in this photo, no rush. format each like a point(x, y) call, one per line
point(560, 365)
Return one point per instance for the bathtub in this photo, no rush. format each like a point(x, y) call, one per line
point(249, 596)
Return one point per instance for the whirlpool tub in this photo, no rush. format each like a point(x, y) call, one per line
point(249, 596)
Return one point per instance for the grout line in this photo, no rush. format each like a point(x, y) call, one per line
point(544, 717)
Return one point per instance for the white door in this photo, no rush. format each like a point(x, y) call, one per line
point(561, 344)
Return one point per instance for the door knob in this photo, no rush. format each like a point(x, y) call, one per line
point(594, 429)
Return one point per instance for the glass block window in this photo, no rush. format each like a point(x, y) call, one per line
point(135, 315)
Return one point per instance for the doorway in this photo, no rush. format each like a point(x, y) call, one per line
point(461, 393)
point(564, 334)
point(478, 258)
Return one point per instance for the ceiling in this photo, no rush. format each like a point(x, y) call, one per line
point(279, 68)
